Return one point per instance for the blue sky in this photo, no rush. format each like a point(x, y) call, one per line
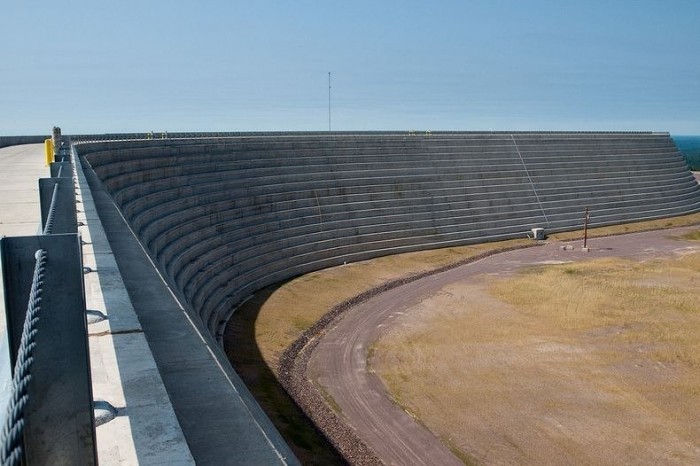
point(110, 66)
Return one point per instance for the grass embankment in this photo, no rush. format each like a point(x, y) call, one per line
point(262, 328)
point(692, 236)
point(592, 362)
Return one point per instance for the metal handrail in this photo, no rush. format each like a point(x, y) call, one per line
point(11, 445)
point(48, 228)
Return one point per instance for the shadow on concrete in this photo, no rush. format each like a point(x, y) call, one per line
point(241, 346)
point(143, 409)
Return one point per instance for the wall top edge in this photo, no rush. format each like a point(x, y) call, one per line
point(180, 134)
point(326, 134)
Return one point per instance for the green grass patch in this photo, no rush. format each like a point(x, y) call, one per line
point(692, 236)
point(330, 401)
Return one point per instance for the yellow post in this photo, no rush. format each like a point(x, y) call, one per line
point(48, 149)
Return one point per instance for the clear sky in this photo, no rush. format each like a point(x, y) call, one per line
point(141, 65)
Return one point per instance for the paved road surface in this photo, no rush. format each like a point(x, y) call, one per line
point(21, 167)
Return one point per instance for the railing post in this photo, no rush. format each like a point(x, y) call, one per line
point(57, 140)
point(59, 426)
point(586, 217)
point(48, 151)
point(61, 170)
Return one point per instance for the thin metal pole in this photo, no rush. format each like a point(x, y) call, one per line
point(329, 101)
point(585, 228)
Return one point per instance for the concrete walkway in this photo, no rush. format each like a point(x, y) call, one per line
point(145, 430)
point(21, 167)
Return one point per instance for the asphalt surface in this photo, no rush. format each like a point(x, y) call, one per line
point(342, 353)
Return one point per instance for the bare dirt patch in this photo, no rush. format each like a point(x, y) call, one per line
point(587, 363)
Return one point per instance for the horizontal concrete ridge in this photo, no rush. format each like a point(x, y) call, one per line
point(224, 214)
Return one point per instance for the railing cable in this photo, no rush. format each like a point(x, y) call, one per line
point(48, 228)
point(12, 432)
point(530, 179)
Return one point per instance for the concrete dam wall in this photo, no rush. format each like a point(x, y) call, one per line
point(224, 217)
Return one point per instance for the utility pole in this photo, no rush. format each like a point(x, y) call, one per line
point(329, 101)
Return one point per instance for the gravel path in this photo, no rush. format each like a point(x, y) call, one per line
point(339, 355)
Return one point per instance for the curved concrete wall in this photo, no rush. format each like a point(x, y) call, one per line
point(225, 217)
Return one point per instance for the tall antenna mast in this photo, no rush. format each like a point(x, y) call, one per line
point(329, 101)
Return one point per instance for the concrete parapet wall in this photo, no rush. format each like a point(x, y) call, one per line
point(226, 214)
point(7, 141)
point(146, 430)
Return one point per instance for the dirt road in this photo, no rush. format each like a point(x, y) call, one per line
point(339, 362)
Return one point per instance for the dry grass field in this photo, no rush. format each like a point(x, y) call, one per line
point(576, 363)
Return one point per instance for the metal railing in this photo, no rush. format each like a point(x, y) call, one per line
point(50, 410)
point(164, 135)
point(13, 429)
